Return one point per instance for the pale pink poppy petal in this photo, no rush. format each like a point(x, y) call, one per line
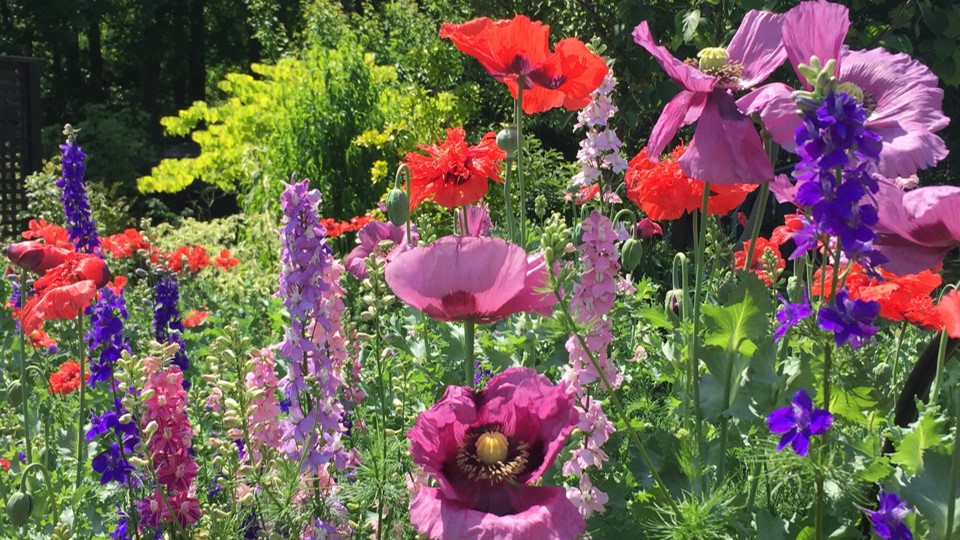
point(815, 29)
point(917, 229)
point(778, 112)
point(530, 298)
point(726, 148)
point(533, 409)
point(758, 45)
point(529, 513)
point(687, 76)
point(684, 109)
point(908, 108)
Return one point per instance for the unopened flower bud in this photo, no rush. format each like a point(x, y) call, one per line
point(19, 507)
point(509, 141)
point(398, 207)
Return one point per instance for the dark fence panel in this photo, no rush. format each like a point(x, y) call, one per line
point(20, 153)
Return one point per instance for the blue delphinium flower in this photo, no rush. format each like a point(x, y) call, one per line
point(106, 334)
point(798, 422)
point(112, 466)
point(834, 177)
point(888, 519)
point(167, 322)
point(791, 314)
point(849, 319)
point(80, 224)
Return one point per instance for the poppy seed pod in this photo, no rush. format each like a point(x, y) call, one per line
point(19, 507)
point(509, 141)
point(398, 207)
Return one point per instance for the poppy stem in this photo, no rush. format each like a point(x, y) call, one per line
point(694, 358)
point(954, 466)
point(81, 353)
point(469, 336)
point(508, 204)
point(761, 207)
point(518, 119)
point(24, 381)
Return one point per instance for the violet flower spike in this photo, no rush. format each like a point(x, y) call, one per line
point(791, 314)
point(887, 519)
point(798, 422)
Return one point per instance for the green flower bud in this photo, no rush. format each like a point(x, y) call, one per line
point(14, 393)
point(673, 303)
point(19, 507)
point(630, 254)
point(398, 207)
point(712, 58)
point(509, 141)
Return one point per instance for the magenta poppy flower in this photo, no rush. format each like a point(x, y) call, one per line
point(901, 95)
point(460, 278)
point(485, 449)
point(916, 229)
point(726, 148)
point(373, 237)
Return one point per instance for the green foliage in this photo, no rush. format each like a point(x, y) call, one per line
point(915, 440)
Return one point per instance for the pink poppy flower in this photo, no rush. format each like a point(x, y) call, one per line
point(459, 278)
point(901, 94)
point(372, 237)
point(917, 229)
point(726, 148)
point(485, 449)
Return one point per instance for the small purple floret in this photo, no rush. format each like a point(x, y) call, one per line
point(798, 422)
point(888, 519)
point(850, 320)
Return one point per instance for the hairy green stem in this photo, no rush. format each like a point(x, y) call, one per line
point(695, 336)
point(469, 336)
point(51, 495)
point(954, 468)
point(508, 204)
point(24, 380)
point(896, 355)
point(757, 222)
point(941, 360)
point(518, 118)
point(82, 354)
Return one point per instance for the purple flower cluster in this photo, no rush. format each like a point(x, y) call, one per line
point(791, 314)
point(112, 463)
point(106, 334)
point(798, 422)
point(837, 158)
point(80, 224)
point(312, 430)
point(167, 322)
point(850, 319)
point(887, 519)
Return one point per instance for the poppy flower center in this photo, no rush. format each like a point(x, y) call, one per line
point(712, 58)
point(715, 61)
point(490, 456)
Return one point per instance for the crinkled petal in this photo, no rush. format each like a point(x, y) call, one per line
point(758, 45)
point(908, 108)
point(815, 29)
point(726, 148)
point(687, 76)
point(539, 513)
point(682, 110)
point(436, 436)
point(801, 444)
point(778, 112)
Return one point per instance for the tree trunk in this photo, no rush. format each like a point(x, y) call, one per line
point(198, 51)
point(97, 89)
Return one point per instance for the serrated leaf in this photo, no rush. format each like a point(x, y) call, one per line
point(929, 492)
point(921, 435)
point(878, 469)
point(737, 326)
point(690, 23)
point(655, 317)
point(853, 404)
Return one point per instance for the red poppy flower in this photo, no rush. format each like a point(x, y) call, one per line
point(51, 234)
point(38, 339)
point(224, 261)
point(195, 318)
point(454, 174)
point(66, 379)
point(64, 290)
point(519, 49)
point(662, 190)
point(949, 312)
point(902, 298)
point(36, 256)
point(760, 253)
point(791, 224)
point(125, 244)
point(4, 464)
point(118, 284)
point(193, 257)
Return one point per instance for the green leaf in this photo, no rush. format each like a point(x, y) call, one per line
point(930, 493)
point(690, 23)
point(739, 325)
point(853, 405)
point(769, 526)
point(655, 317)
point(878, 469)
point(921, 435)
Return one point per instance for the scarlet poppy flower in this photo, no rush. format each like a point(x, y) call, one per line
point(193, 257)
point(64, 290)
point(66, 379)
point(519, 49)
point(453, 174)
point(51, 234)
point(125, 244)
point(949, 311)
point(663, 191)
point(195, 318)
point(36, 256)
point(118, 284)
point(902, 298)
point(224, 261)
point(4, 464)
point(760, 254)
point(791, 224)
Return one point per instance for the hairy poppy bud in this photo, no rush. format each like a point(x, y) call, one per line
point(14, 393)
point(19, 507)
point(398, 207)
point(673, 303)
point(630, 254)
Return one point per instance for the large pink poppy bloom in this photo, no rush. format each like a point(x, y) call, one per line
point(901, 95)
point(460, 278)
point(917, 229)
point(485, 449)
point(373, 237)
point(726, 148)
